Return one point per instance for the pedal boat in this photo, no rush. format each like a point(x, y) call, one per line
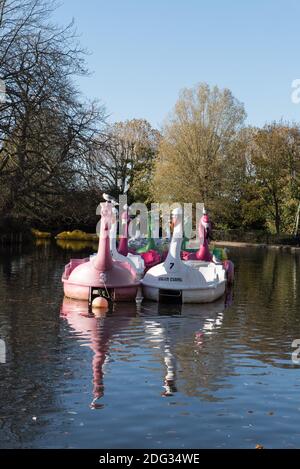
point(100, 274)
point(175, 280)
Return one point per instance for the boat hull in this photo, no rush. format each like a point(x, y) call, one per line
point(203, 295)
point(81, 292)
point(121, 282)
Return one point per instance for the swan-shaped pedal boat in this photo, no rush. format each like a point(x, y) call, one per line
point(218, 255)
point(101, 274)
point(190, 281)
point(136, 246)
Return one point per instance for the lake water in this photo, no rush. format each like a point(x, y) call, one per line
point(198, 376)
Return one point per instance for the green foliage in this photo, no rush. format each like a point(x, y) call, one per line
point(57, 155)
point(274, 152)
point(248, 177)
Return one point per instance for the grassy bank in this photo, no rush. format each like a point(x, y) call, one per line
point(279, 247)
point(14, 231)
point(256, 237)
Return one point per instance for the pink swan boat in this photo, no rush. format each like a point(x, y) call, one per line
point(150, 257)
point(203, 253)
point(101, 275)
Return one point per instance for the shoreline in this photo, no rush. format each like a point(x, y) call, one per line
point(279, 247)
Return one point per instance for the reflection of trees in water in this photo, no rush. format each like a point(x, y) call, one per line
point(196, 346)
point(72, 245)
point(267, 302)
point(262, 322)
point(30, 293)
point(26, 266)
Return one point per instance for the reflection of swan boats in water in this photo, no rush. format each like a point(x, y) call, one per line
point(162, 333)
point(98, 331)
point(194, 324)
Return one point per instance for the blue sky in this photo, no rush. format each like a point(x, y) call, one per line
point(143, 52)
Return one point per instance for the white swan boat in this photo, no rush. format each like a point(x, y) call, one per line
point(189, 281)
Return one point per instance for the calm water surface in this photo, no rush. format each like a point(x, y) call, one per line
point(209, 376)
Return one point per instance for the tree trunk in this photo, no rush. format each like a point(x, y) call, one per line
point(297, 220)
point(277, 215)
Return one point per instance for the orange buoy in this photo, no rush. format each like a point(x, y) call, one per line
point(100, 302)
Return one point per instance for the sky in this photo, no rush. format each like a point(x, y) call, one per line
point(143, 52)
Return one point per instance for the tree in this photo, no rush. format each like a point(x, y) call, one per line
point(46, 129)
point(275, 156)
point(195, 146)
point(125, 158)
point(240, 206)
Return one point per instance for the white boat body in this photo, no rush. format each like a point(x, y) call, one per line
point(193, 281)
point(199, 284)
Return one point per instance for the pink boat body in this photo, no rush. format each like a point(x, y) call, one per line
point(123, 241)
point(203, 253)
point(117, 278)
point(151, 257)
